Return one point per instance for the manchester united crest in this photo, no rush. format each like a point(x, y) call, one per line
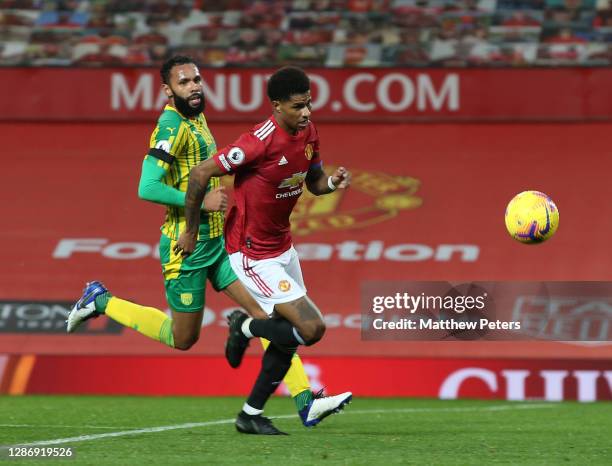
point(284, 286)
point(308, 151)
point(374, 197)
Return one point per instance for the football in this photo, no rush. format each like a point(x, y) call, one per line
point(531, 217)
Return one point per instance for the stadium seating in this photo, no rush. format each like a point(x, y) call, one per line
point(329, 33)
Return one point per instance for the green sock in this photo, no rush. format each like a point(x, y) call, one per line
point(165, 334)
point(302, 399)
point(102, 301)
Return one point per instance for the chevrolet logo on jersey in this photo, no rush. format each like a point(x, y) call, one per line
point(295, 180)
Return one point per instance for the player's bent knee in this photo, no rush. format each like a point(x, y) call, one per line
point(184, 343)
point(312, 332)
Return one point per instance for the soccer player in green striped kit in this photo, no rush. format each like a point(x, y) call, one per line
point(180, 141)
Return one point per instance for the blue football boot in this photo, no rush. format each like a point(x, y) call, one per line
point(85, 307)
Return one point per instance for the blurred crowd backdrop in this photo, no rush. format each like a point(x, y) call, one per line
point(332, 33)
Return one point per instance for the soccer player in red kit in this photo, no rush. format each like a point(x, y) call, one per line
point(272, 163)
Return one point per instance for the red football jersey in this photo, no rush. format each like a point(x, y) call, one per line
point(270, 167)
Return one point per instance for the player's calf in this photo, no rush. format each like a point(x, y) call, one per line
point(96, 300)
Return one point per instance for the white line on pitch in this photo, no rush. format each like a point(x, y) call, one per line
point(56, 426)
point(147, 430)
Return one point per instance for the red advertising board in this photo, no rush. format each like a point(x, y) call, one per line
point(427, 203)
point(130, 94)
point(509, 379)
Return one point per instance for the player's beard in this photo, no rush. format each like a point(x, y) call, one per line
point(186, 109)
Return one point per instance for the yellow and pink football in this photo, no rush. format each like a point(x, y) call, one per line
point(531, 217)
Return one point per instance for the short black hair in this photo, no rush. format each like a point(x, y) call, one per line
point(171, 63)
point(286, 82)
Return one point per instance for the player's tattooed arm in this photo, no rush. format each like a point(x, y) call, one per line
point(319, 183)
point(196, 189)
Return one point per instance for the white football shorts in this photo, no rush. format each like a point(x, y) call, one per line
point(271, 281)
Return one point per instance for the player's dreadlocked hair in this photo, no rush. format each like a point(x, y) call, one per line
point(287, 81)
point(171, 63)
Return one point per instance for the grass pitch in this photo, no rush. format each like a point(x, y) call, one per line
point(143, 430)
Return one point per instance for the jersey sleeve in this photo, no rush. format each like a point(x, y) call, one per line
point(315, 161)
point(151, 187)
point(168, 140)
point(241, 154)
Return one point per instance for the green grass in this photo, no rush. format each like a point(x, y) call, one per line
point(371, 431)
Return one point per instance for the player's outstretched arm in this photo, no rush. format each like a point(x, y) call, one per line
point(319, 183)
point(152, 188)
point(198, 180)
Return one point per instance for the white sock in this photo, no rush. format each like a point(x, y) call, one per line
point(298, 337)
point(245, 328)
point(250, 410)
